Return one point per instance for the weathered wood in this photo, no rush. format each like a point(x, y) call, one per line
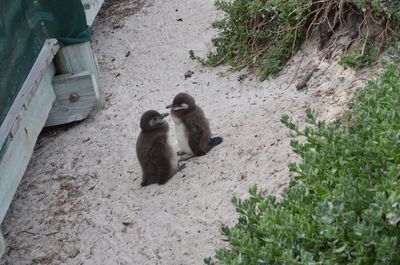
point(28, 89)
point(2, 245)
point(75, 98)
point(20, 147)
point(91, 8)
point(78, 58)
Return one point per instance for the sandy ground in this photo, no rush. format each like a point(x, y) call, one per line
point(80, 201)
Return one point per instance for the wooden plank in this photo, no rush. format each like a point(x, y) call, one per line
point(78, 58)
point(28, 89)
point(91, 8)
point(2, 245)
point(20, 147)
point(75, 98)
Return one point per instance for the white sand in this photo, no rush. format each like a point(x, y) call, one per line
point(83, 180)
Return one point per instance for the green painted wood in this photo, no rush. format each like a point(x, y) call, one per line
point(91, 8)
point(78, 58)
point(19, 150)
point(27, 90)
point(75, 98)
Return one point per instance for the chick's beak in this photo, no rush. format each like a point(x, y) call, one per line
point(170, 106)
point(162, 116)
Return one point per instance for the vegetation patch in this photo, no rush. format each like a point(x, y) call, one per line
point(360, 58)
point(264, 34)
point(344, 205)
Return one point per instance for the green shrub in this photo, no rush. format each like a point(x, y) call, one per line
point(344, 205)
point(264, 34)
point(258, 33)
point(394, 51)
point(390, 9)
point(359, 59)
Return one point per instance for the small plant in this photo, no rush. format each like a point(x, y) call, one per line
point(343, 207)
point(394, 51)
point(359, 59)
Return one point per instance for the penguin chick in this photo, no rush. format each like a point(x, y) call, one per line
point(157, 158)
point(192, 127)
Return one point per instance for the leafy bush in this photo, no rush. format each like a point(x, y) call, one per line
point(264, 34)
point(258, 33)
point(358, 59)
point(344, 205)
point(390, 9)
point(394, 52)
